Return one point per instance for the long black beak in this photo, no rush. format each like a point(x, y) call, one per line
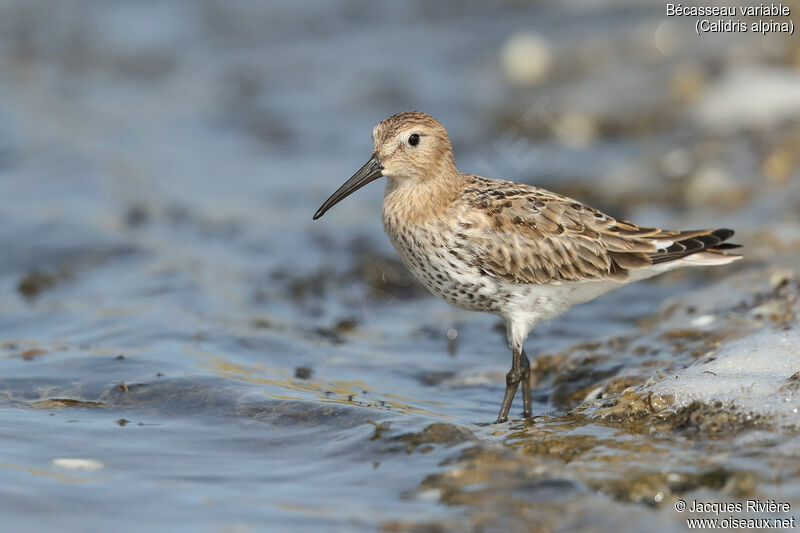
point(369, 172)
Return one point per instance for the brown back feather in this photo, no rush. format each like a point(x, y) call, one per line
point(523, 234)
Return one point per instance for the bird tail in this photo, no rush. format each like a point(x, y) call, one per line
point(700, 247)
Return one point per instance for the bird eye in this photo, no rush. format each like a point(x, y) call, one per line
point(413, 140)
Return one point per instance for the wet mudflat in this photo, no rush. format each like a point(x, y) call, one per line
point(182, 348)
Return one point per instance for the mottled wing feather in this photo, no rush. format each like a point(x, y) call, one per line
point(523, 234)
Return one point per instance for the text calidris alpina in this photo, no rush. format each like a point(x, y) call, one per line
point(520, 252)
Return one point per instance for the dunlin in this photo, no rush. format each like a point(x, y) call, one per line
point(520, 252)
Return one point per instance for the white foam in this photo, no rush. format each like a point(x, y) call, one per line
point(86, 465)
point(746, 375)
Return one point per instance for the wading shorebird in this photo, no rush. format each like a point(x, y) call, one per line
point(520, 252)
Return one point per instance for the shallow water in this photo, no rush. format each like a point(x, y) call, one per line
point(169, 311)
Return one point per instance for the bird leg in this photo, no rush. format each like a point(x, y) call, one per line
point(527, 409)
point(520, 372)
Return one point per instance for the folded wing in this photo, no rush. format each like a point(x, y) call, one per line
point(523, 234)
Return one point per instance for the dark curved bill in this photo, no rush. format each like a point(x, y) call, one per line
point(369, 172)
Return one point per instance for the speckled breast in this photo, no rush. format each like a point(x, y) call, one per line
point(429, 253)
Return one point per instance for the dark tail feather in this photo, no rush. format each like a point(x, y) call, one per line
point(727, 246)
point(711, 242)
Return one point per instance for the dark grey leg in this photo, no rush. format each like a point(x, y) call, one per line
point(513, 379)
point(527, 407)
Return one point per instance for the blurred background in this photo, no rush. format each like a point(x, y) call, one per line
point(182, 348)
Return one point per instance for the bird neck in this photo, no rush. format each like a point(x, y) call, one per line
point(411, 201)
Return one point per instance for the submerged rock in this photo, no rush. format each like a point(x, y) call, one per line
point(35, 282)
point(436, 433)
